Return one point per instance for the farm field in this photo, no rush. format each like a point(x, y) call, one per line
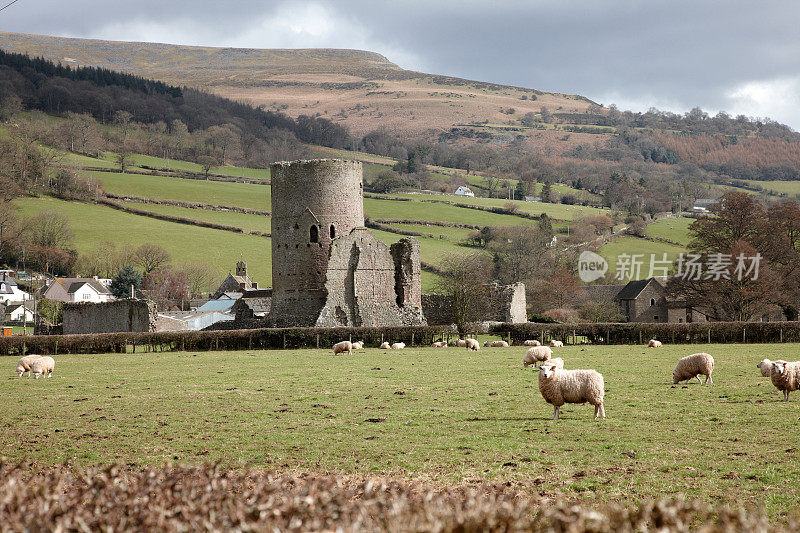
point(230, 218)
point(674, 229)
point(435, 414)
point(789, 188)
point(94, 224)
point(634, 245)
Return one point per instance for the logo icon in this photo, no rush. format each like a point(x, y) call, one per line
point(591, 266)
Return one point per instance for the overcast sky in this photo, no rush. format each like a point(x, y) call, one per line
point(740, 57)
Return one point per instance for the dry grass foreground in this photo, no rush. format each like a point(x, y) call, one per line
point(181, 498)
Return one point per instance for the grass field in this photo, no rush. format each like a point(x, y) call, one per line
point(240, 220)
point(674, 229)
point(439, 414)
point(95, 224)
point(789, 188)
point(633, 245)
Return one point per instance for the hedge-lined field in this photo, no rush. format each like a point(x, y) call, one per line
point(446, 415)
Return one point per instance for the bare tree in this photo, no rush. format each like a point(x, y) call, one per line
point(49, 229)
point(464, 280)
point(150, 257)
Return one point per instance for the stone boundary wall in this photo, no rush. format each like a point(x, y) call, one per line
point(109, 317)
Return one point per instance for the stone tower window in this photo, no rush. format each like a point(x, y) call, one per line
point(652, 302)
point(313, 234)
point(333, 231)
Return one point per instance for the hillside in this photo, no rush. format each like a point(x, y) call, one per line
point(361, 90)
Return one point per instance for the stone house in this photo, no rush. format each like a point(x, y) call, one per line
point(236, 283)
point(77, 290)
point(645, 300)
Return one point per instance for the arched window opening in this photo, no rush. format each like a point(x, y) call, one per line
point(314, 234)
point(333, 231)
point(652, 302)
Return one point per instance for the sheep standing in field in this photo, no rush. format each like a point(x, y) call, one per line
point(556, 344)
point(341, 347)
point(472, 344)
point(765, 366)
point(43, 366)
point(25, 363)
point(531, 343)
point(385, 346)
point(692, 366)
point(358, 345)
point(786, 377)
point(398, 346)
point(537, 354)
point(439, 344)
point(559, 386)
point(654, 344)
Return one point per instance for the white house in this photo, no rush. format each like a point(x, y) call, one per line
point(464, 191)
point(77, 290)
point(10, 291)
point(18, 312)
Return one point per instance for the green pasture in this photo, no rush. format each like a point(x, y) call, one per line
point(674, 229)
point(230, 218)
point(645, 249)
point(440, 414)
point(94, 224)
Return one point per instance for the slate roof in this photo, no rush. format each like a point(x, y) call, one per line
point(632, 290)
point(603, 292)
point(223, 305)
point(71, 285)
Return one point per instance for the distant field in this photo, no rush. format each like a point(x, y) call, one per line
point(790, 188)
point(416, 210)
point(240, 220)
point(674, 229)
point(436, 414)
point(94, 224)
point(633, 245)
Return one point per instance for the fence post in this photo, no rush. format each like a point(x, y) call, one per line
point(781, 331)
point(284, 340)
point(412, 338)
point(317, 341)
point(574, 340)
point(744, 335)
point(640, 337)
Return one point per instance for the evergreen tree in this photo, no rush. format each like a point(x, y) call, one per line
point(547, 193)
point(121, 284)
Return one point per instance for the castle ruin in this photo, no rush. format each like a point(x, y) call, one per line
point(328, 270)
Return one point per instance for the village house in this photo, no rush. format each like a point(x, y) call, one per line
point(645, 300)
point(10, 291)
point(19, 312)
point(464, 191)
point(77, 290)
point(237, 283)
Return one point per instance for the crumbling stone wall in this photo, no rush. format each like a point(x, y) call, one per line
point(505, 303)
point(109, 317)
point(361, 284)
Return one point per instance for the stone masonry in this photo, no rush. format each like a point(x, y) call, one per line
point(327, 268)
point(109, 317)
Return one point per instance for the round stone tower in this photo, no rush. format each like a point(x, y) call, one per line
point(313, 202)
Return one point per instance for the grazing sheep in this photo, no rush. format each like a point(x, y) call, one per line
point(785, 376)
point(439, 344)
point(559, 386)
point(43, 366)
point(765, 366)
point(472, 344)
point(499, 344)
point(385, 346)
point(341, 347)
point(358, 345)
point(537, 354)
point(398, 346)
point(25, 364)
point(461, 343)
point(487, 344)
point(692, 366)
point(654, 344)
point(531, 343)
point(556, 344)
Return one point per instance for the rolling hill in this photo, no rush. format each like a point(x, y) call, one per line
point(359, 89)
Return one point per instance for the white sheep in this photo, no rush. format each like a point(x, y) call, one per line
point(398, 346)
point(341, 347)
point(692, 366)
point(472, 344)
point(358, 345)
point(439, 344)
point(559, 386)
point(556, 344)
point(499, 344)
point(43, 366)
point(654, 344)
point(765, 366)
point(385, 346)
point(460, 343)
point(487, 344)
point(537, 354)
point(531, 343)
point(25, 363)
point(786, 377)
